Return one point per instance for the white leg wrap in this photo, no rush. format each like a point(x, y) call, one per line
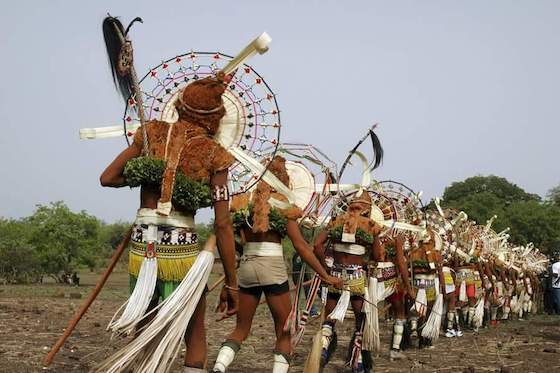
point(281, 364)
point(450, 319)
point(398, 329)
point(326, 335)
point(470, 319)
point(224, 359)
point(493, 313)
point(413, 324)
point(505, 316)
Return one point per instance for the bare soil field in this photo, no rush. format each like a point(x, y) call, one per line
point(32, 318)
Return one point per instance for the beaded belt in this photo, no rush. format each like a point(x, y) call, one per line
point(386, 271)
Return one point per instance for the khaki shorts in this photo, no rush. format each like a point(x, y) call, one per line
point(261, 271)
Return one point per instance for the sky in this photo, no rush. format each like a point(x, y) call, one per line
point(459, 88)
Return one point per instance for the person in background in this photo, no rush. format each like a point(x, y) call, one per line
point(556, 285)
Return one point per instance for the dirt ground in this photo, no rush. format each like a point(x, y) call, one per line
point(32, 318)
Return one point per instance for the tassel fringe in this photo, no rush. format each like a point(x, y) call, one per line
point(137, 304)
point(370, 341)
point(155, 348)
point(463, 291)
point(479, 313)
point(431, 328)
point(341, 307)
point(173, 269)
point(420, 302)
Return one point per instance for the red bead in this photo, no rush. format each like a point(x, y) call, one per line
point(216, 56)
point(165, 66)
point(128, 119)
point(247, 70)
point(178, 59)
point(153, 73)
point(130, 133)
point(258, 80)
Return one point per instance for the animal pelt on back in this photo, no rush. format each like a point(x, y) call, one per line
point(260, 197)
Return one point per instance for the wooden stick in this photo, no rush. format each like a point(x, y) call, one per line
point(218, 282)
point(83, 309)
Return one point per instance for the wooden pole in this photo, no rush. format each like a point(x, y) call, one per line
point(218, 282)
point(83, 309)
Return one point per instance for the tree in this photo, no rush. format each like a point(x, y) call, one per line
point(535, 222)
point(530, 220)
point(553, 196)
point(63, 239)
point(481, 197)
point(19, 262)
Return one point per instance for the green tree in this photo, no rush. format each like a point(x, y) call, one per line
point(63, 239)
point(530, 220)
point(19, 262)
point(553, 196)
point(481, 197)
point(535, 222)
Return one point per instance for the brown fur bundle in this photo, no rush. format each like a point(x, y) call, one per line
point(201, 156)
point(261, 207)
point(239, 202)
point(202, 96)
point(358, 208)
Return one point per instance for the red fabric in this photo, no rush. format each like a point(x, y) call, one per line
point(397, 296)
point(471, 291)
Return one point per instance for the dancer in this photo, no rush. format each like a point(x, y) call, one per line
point(428, 281)
point(180, 168)
point(352, 235)
point(261, 226)
point(392, 276)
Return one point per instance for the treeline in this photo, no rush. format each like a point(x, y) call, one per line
point(56, 242)
point(529, 217)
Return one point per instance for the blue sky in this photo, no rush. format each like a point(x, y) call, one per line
point(459, 87)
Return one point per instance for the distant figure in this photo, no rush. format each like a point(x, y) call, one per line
point(556, 285)
point(75, 279)
point(546, 284)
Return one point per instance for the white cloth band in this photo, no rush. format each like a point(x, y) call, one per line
point(263, 249)
point(385, 264)
point(175, 219)
point(424, 276)
point(353, 249)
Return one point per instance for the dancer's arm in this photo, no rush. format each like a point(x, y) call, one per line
point(439, 264)
point(401, 265)
point(305, 252)
point(319, 246)
point(113, 174)
point(226, 247)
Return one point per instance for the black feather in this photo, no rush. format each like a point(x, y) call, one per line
point(137, 19)
point(377, 150)
point(114, 35)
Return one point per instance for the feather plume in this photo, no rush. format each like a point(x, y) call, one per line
point(114, 35)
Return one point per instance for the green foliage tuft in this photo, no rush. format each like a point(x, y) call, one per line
point(188, 195)
point(243, 218)
point(362, 237)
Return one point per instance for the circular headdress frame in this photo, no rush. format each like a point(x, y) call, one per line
point(383, 207)
point(409, 206)
point(252, 120)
